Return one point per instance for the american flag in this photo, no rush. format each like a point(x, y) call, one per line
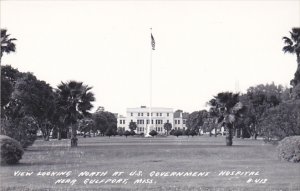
point(152, 42)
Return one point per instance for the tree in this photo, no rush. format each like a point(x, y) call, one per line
point(127, 133)
point(192, 133)
point(196, 120)
point(228, 109)
point(104, 120)
point(168, 127)
point(7, 43)
point(37, 100)
point(281, 121)
point(86, 125)
point(293, 47)
point(109, 132)
point(75, 100)
point(132, 126)
point(258, 100)
point(153, 133)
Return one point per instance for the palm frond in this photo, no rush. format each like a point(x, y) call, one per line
point(288, 49)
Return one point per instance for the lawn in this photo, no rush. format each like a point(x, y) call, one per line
point(198, 163)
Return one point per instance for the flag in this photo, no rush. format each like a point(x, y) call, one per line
point(152, 42)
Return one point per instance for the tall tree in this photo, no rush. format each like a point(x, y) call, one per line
point(132, 126)
point(293, 47)
point(168, 127)
point(7, 43)
point(196, 119)
point(75, 100)
point(229, 108)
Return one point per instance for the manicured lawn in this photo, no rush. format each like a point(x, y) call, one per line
point(197, 155)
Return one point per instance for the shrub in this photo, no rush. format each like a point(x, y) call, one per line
point(23, 130)
point(153, 133)
point(11, 150)
point(289, 149)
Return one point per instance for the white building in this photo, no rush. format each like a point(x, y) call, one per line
point(180, 118)
point(159, 116)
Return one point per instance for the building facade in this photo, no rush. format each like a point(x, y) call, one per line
point(155, 121)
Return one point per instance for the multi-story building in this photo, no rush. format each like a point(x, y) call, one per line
point(154, 121)
point(180, 118)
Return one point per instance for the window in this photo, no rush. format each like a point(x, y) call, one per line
point(167, 121)
point(156, 114)
point(168, 114)
point(138, 114)
point(178, 121)
point(175, 121)
point(142, 114)
point(183, 121)
point(124, 121)
point(131, 120)
point(160, 114)
point(120, 121)
point(151, 114)
point(147, 121)
point(148, 114)
point(152, 121)
point(131, 114)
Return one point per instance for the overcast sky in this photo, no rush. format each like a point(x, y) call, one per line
point(202, 47)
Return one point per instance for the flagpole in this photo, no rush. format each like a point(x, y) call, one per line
point(150, 86)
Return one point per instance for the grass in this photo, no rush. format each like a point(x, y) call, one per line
point(183, 154)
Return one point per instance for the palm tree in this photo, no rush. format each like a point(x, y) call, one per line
point(7, 44)
point(293, 47)
point(228, 108)
point(75, 100)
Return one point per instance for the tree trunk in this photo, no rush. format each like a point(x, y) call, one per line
point(59, 134)
point(238, 133)
point(229, 135)
point(73, 136)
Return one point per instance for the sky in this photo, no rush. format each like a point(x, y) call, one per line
point(202, 47)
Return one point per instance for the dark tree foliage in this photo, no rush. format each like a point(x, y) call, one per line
point(177, 133)
point(168, 127)
point(227, 107)
point(75, 100)
point(153, 133)
point(292, 46)
point(7, 43)
point(127, 133)
point(104, 120)
point(281, 121)
point(132, 126)
point(196, 120)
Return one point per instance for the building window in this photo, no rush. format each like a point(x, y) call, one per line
point(178, 121)
point(156, 114)
point(151, 114)
point(142, 114)
point(168, 121)
point(183, 121)
point(168, 114)
point(123, 121)
point(160, 114)
point(175, 121)
point(152, 121)
point(148, 114)
point(138, 114)
point(120, 121)
point(131, 120)
point(147, 121)
point(131, 114)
